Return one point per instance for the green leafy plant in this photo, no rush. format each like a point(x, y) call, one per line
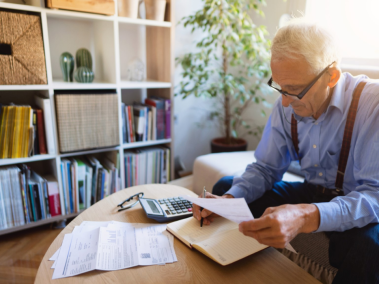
point(230, 62)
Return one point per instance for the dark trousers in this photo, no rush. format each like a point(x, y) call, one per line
point(355, 252)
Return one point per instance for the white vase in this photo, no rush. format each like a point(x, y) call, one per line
point(128, 8)
point(155, 9)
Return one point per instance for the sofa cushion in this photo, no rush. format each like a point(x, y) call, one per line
point(208, 169)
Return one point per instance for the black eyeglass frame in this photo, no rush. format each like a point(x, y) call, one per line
point(303, 92)
point(138, 195)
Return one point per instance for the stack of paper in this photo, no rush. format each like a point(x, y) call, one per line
point(112, 246)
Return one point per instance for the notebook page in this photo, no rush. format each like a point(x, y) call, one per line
point(229, 247)
point(189, 229)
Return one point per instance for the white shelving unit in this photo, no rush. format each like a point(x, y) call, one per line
point(114, 42)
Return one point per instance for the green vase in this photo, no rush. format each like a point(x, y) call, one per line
point(66, 61)
point(83, 58)
point(84, 75)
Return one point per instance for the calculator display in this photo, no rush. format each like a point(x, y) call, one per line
point(153, 206)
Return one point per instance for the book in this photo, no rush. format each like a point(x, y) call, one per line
point(54, 196)
point(159, 103)
point(124, 123)
point(41, 133)
point(44, 105)
point(221, 241)
point(35, 135)
point(140, 121)
point(168, 119)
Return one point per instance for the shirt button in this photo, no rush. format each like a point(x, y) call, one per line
point(314, 146)
point(316, 165)
point(316, 122)
point(320, 174)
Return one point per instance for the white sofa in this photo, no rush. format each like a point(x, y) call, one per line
point(208, 169)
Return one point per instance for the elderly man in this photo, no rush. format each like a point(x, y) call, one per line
point(329, 121)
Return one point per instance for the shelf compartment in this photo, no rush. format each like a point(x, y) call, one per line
point(145, 143)
point(147, 84)
point(69, 35)
point(61, 85)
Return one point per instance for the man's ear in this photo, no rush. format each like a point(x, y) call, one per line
point(335, 74)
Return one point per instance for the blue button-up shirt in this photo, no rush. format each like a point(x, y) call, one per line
point(320, 145)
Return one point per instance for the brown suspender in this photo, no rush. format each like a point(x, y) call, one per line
point(345, 149)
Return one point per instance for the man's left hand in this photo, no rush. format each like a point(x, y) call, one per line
point(279, 225)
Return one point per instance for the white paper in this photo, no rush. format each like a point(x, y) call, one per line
point(117, 248)
point(113, 246)
point(153, 246)
point(233, 209)
point(77, 254)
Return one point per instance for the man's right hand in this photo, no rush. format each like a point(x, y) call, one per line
point(206, 214)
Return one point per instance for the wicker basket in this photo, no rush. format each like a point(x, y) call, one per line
point(87, 121)
point(22, 57)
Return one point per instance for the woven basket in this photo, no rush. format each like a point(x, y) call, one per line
point(87, 121)
point(22, 57)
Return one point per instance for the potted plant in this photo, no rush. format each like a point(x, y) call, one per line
point(230, 63)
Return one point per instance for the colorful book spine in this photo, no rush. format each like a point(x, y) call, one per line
point(168, 119)
point(41, 133)
point(54, 199)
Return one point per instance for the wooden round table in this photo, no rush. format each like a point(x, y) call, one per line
point(267, 266)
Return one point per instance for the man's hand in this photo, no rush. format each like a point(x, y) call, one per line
point(206, 214)
point(279, 225)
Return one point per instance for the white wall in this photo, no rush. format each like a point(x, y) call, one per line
point(190, 140)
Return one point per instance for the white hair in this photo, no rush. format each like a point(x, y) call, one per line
point(300, 37)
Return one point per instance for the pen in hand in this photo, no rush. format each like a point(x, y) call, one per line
point(201, 208)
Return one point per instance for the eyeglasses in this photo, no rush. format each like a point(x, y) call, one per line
point(275, 86)
point(137, 195)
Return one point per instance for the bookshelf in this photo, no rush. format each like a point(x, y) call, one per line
point(113, 42)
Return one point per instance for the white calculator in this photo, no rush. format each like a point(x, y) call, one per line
point(166, 209)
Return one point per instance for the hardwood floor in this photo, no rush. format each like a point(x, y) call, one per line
point(22, 252)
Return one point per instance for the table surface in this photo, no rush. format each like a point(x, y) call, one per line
point(267, 266)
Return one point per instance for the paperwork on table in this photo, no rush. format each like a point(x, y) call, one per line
point(233, 209)
point(112, 246)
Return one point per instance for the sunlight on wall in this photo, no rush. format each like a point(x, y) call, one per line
point(354, 22)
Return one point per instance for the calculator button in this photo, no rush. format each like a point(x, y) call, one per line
point(189, 209)
point(173, 212)
point(181, 197)
point(161, 202)
point(176, 199)
point(171, 200)
point(168, 212)
point(179, 211)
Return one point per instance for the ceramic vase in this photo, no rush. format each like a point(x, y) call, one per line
point(66, 61)
point(84, 75)
point(83, 58)
point(128, 8)
point(155, 9)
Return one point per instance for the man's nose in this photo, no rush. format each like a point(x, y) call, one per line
point(286, 100)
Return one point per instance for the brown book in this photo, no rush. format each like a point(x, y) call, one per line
point(41, 133)
point(221, 241)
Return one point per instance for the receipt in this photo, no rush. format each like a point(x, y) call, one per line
point(233, 209)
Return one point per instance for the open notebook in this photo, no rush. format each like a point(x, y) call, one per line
point(220, 241)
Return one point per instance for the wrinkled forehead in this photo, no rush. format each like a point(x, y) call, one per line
point(291, 70)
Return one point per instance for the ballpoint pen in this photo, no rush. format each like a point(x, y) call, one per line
point(201, 208)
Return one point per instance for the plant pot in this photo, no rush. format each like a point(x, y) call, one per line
point(219, 145)
point(128, 8)
point(155, 9)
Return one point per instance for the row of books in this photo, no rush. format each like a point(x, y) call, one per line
point(148, 121)
point(146, 166)
point(87, 180)
point(26, 130)
point(26, 197)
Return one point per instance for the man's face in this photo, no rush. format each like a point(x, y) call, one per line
point(293, 76)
